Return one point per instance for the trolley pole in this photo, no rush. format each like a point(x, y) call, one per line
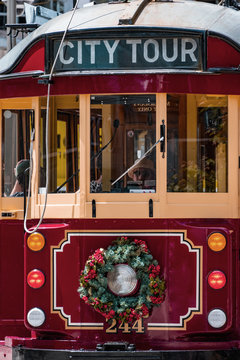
point(11, 19)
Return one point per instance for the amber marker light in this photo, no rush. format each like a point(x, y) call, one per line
point(217, 279)
point(36, 241)
point(35, 279)
point(217, 241)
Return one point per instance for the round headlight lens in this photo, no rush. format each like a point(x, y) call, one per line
point(217, 318)
point(36, 317)
point(122, 280)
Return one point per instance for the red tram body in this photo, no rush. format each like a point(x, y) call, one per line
point(131, 83)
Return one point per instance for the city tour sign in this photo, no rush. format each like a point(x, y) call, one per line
point(175, 52)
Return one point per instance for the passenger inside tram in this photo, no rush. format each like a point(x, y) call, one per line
point(143, 173)
point(16, 128)
point(21, 174)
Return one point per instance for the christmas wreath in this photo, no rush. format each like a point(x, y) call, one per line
point(94, 288)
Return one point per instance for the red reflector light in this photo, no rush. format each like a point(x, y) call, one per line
point(217, 279)
point(35, 279)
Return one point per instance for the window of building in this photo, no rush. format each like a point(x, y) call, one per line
point(61, 6)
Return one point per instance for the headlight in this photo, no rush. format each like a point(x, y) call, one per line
point(36, 317)
point(217, 318)
point(122, 280)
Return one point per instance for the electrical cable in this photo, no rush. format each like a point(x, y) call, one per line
point(47, 145)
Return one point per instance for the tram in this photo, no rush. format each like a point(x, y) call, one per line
point(119, 154)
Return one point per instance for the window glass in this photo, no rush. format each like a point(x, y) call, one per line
point(16, 125)
point(197, 143)
point(63, 145)
point(123, 129)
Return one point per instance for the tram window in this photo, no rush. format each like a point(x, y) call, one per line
point(63, 146)
point(123, 129)
point(16, 125)
point(197, 143)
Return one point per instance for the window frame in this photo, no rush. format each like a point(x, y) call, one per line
point(212, 205)
point(14, 206)
point(59, 205)
point(120, 205)
point(123, 205)
point(106, 137)
point(167, 204)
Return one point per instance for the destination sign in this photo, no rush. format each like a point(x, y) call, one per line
point(129, 53)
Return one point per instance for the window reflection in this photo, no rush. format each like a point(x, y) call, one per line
point(63, 145)
point(197, 143)
point(122, 130)
point(16, 127)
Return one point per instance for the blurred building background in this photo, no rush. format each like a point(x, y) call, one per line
point(12, 12)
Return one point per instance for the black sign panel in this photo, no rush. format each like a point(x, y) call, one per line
point(129, 53)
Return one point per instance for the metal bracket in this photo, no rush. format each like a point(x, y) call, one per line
point(162, 135)
point(93, 208)
point(115, 346)
point(132, 12)
point(150, 208)
point(45, 81)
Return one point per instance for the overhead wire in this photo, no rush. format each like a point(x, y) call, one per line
point(46, 140)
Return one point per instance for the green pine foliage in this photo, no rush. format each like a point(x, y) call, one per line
point(94, 285)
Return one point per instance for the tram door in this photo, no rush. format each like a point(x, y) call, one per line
point(197, 143)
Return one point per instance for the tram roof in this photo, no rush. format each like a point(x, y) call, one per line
point(177, 14)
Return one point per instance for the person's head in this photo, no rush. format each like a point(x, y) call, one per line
point(143, 170)
point(21, 166)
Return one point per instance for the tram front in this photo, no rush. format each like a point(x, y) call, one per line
point(125, 149)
